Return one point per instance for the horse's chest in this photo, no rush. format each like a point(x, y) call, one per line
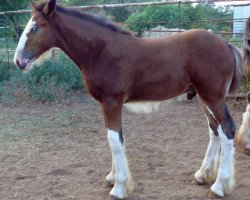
point(97, 87)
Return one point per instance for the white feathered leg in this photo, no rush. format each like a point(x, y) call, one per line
point(209, 168)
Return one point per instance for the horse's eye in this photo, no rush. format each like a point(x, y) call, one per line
point(34, 28)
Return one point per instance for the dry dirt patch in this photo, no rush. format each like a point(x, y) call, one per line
point(61, 152)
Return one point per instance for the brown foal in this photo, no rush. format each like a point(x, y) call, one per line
point(120, 69)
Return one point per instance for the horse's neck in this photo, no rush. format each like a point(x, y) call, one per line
point(80, 40)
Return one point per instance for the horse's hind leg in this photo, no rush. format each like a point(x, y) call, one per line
point(225, 180)
point(209, 168)
point(120, 175)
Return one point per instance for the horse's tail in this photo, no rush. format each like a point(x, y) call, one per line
point(238, 71)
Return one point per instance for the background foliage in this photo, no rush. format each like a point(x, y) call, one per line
point(54, 80)
point(14, 21)
point(188, 13)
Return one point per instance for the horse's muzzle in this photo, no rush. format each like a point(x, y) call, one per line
point(22, 65)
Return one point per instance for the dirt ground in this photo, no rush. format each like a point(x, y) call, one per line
point(60, 151)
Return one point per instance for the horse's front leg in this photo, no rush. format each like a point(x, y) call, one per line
point(120, 174)
point(110, 178)
point(243, 137)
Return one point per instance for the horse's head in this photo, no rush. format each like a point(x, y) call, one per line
point(38, 35)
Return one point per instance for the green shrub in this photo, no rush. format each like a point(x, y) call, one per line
point(245, 85)
point(5, 72)
point(156, 15)
point(190, 17)
point(54, 80)
point(63, 72)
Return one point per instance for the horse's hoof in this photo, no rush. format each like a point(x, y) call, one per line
point(246, 151)
point(195, 182)
point(113, 198)
point(107, 184)
point(212, 195)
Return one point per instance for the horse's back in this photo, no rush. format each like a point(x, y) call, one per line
point(205, 47)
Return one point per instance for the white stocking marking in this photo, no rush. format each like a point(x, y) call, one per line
point(111, 176)
point(225, 179)
point(209, 167)
point(121, 168)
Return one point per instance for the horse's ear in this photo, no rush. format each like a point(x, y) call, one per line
point(49, 7)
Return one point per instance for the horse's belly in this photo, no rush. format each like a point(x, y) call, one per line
point(152, 106)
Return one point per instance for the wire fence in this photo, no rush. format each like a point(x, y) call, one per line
point(11, 31)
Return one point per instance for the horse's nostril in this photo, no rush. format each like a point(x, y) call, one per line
point(21, 65)
point(17, 62)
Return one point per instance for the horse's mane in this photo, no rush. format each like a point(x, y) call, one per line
point(96, 19)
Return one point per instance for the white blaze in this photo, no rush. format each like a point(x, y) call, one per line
point(23, 39)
